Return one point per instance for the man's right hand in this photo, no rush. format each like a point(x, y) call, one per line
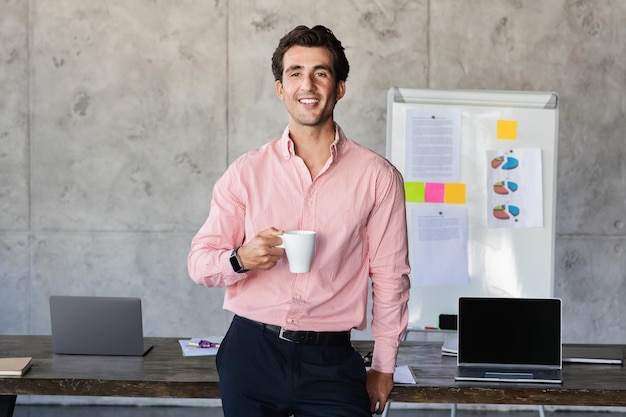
point(261, 252)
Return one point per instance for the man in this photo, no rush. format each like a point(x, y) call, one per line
point(288, 348)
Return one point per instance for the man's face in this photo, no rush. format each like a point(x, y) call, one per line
point(309, 89)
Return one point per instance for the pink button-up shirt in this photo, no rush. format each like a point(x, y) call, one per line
point(356, 205)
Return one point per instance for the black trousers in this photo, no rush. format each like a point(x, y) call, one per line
point(264, 376)
point(7, 405)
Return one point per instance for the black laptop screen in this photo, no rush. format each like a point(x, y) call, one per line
point(509, 331)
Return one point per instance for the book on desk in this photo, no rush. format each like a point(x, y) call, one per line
point(15, 366)
point(450, 345)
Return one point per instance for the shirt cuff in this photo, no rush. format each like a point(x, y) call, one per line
point(384, 359)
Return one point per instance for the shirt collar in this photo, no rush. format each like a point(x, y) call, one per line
point(288, 146)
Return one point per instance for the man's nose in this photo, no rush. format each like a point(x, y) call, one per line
point(307, 83)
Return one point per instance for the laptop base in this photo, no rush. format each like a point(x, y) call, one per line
point(548, 376)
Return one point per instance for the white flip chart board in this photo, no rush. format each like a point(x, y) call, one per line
point(493, 128)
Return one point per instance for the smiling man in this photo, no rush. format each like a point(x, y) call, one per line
point(288, 349)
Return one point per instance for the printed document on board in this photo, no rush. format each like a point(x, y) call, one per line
point(439, 246)
point(433, 145)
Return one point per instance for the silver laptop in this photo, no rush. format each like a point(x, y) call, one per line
point(509, 340)
point(84, 325)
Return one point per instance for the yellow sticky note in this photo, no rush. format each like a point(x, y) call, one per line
point(455, 194)
point(414, 192)
point(507, 129)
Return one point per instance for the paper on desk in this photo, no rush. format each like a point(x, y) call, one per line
point(402, 375)
point(450, 345)
point(194, 351)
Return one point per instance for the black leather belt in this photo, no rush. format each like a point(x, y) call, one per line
point(306, 337)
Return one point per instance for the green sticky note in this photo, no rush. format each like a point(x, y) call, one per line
point(414, 192)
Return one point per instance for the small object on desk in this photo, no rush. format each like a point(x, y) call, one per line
point(367, 359)
point(200, 346)
point(203, 344)
point(15, 366)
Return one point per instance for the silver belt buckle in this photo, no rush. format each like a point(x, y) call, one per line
point(280, 335)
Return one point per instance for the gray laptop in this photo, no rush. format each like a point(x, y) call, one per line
point(85, 325)
point(509, 340)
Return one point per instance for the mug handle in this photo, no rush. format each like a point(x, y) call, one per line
point(282, 245)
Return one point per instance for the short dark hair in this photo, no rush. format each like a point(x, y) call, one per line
point(318, 36)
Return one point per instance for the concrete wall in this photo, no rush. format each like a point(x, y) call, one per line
point(116, 118)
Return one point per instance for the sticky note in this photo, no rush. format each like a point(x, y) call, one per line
point(507, 129)
point(414, 192)
point(455, 194)
point(434, 192)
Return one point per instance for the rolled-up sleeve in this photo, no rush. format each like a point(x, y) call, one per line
point(208, 262)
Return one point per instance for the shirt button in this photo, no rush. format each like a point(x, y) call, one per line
point(310, 203)
point(289, 320)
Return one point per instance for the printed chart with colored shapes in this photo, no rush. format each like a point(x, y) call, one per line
point(504, 162)
point(514, 188)
point(505, 187)
point(505, 211)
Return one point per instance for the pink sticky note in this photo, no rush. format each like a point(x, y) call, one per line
point(434, 192)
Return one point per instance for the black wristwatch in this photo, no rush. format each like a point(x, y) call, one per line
point(236, 263)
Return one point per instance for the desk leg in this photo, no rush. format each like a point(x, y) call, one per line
point(542, 411)
point(7, 405)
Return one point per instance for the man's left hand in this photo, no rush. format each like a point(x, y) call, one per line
point(379, 386)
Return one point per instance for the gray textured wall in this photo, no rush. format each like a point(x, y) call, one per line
point(116, 118)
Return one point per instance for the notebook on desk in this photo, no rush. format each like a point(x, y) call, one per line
point(509, 340)
point(86, 325)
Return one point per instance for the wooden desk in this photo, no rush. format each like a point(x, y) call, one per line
point(583, 384)
point(161, 373)
point(165, 373)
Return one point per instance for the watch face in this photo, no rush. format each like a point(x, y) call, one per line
point(235, 262)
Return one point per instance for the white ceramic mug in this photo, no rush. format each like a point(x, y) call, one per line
point(299, 246)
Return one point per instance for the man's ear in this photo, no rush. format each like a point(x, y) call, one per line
point(279, 89)
point(341, 89)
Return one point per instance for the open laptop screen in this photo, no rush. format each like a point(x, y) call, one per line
point(510, 331)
